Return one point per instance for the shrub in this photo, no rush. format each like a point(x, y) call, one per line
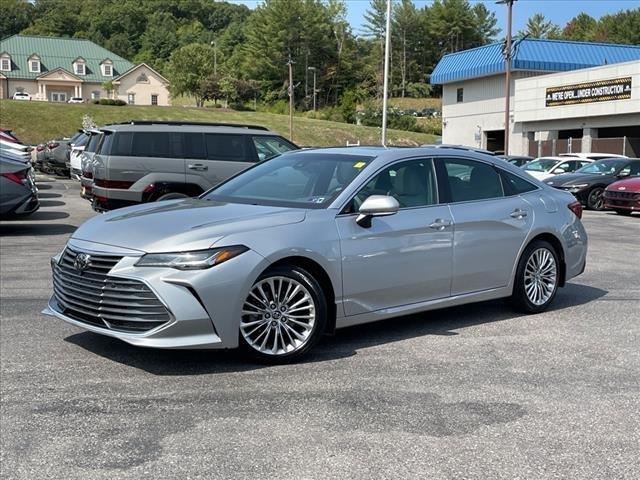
point(119, 102)
point(95, 102)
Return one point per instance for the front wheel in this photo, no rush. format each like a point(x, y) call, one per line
point(537, 278)
point(284, 315)
point(595, 200)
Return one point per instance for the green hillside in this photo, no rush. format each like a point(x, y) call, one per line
point(35, 122)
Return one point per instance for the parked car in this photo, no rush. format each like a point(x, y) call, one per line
point(86, 163)
point(56, 157)
point(12, 146)
point(18, 193)
point(517, 160)
point(75, 157)
point(623, 196)
point(144, 161)
point(546, 167)
point(40, 157)
point(316, 240)
point(21, 96)
point(589, 182)
point(75, 100)
point(593, 156)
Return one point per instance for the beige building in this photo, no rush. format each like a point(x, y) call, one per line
point(57, 69)
point(565, 97)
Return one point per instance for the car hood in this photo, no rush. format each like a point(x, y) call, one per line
point(628, 185)
point(181, 225)
point(576, 178)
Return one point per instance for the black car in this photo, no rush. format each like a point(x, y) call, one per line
point(589, 182)
point(517, 160)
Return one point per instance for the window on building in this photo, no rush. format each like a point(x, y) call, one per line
point(154, 99)
point(5, 64)
point(460, 95)
point(107, 70)
point(142, 78)
point(95, 95)
point(131, 98)
point(80, 70)
point(34, 66)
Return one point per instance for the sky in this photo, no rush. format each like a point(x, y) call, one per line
point(558, 11)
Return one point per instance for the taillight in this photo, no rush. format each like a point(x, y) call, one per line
point(40, 148)
point(16, 177)
point(87, 174)
point(52, 145)
point(576, 208)
point(121, 184)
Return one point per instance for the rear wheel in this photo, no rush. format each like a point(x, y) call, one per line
point(537, 278)
point(620, 211)
point(595, 200)
point(284, 315)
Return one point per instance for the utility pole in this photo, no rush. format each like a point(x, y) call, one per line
point(215, 57)
point(290, 64)
point(507, 78)
point(313, 69)
point(385, 91)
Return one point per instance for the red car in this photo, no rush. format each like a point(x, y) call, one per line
point(623, 196)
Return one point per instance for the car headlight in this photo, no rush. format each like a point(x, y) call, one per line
point(578, 186)
point(196, 260)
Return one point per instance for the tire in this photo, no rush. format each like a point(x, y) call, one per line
point(595, 199)
point(268, 332)
point(535, 288)
point(171, 196)
point(626, 213)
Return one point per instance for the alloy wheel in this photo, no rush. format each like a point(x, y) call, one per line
point(596, 199)
point(540, 276)
point(278, 316)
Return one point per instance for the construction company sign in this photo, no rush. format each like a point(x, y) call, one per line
point(592, 92)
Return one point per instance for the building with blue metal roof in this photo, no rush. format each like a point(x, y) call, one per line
point(554, 107)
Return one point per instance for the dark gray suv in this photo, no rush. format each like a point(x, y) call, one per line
point(144, 161)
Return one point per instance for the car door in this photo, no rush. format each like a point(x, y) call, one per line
point(403, 258)
point(226, 155)
point(489, 226)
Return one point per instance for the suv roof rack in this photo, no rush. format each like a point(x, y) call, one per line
point(183, 122)
point(461, 147)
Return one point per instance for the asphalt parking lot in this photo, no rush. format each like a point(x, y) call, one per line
point(468, 392)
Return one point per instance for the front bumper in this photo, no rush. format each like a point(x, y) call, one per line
point(204, 305)
point(631, 202)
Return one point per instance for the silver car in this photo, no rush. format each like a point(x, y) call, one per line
point(317, 240)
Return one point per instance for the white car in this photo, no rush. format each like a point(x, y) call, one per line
point(21, 96)
point(592, 156)
point(75, 156)
point(75, 100)
point(545, 167)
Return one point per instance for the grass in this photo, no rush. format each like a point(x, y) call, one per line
point(34, 122)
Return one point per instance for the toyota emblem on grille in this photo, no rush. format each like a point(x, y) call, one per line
point(82, 262)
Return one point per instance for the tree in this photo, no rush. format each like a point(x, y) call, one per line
point(210, 88)
point(622, 27)
point(16, 16)
point(539, 27)
point(582, 27)
point(405, 26)
point(188, 67)
point(159, 38)
point(486, 22)
point(108, 87)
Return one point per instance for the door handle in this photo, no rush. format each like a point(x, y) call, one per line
point(517, 213)
point(197, 166)
point(440, 224)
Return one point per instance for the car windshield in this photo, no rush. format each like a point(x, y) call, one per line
point(602, 167)
point(541, 165)
point(303, 179)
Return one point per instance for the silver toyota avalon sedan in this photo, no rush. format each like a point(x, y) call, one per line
point(317, 240)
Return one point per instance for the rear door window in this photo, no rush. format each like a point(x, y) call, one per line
point(515, 185)
point(469, 180)
point(269, 147)
point(233, 148)
point(194, 145)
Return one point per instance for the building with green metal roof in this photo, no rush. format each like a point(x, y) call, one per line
point(57, 69)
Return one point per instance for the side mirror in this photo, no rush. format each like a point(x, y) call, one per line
point(624, 174)
point(559, 171)
point(376, 206)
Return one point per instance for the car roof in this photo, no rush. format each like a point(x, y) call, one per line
point(152, 126)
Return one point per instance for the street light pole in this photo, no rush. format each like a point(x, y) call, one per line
point(290, 63)
point(215, 57)
point(507, 85)
point(313, 69)
point(385, 91)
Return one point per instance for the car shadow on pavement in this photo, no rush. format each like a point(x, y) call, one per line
point(345, 343)
point(8, 229)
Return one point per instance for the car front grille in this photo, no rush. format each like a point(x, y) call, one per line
point(93, 297)
point(622, 195)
